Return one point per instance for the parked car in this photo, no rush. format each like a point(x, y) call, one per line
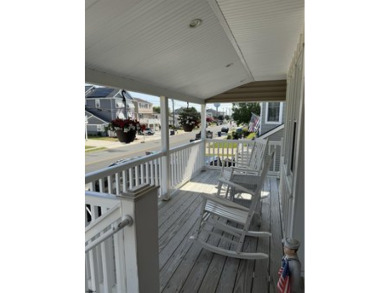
point(147, 131)
point(225, 129)
point(209, 134)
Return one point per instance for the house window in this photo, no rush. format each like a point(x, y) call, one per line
point(274, 112)
point(97, 103)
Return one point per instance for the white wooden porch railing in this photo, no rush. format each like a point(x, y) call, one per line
point(184, 164)
point(100, 261)
point(116, 241)
point(229, 152)
point(123, 177)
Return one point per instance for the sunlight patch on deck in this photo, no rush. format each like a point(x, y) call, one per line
point(195, 186)
point(265, 193)
point(247, 196)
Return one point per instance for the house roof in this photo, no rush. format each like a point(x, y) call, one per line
point(272, 131)
point(101, 92)
point(88, 87)
point(106, 92)
point(149, 47)
point(92, 119)
point(141, 100)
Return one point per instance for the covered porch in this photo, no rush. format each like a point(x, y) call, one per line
point(182, 264)
point(185, 267)
point(201, 52)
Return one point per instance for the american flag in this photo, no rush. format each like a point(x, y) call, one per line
point(254, 123)
point(284, 277)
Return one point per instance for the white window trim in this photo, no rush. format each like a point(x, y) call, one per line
point(280, 114)
point(97, 104)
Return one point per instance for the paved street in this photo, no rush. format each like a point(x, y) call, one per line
point(116, 150)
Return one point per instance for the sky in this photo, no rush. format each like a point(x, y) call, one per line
point(224, 107)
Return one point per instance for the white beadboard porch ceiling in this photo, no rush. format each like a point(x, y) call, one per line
point(147, 46)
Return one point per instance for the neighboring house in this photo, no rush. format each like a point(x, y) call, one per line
point(211, 113)
point(107, 103)
point(144, 114)
point(170, 120)
point(271, 117)
point(214, 113)
point(95, 125)
point(88, 89)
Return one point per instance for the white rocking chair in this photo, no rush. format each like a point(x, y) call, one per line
point(221, 213)
point(253, 167)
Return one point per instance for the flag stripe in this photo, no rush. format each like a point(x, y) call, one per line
point(283, 285)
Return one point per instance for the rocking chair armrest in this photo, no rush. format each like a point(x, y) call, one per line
point(238, 169)
point(224, 202)
point(236, 186)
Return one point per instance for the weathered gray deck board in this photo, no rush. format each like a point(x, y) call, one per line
point(195, 277)
point(215, 270)
point(276, 249)
point(186, 267)
point(260, 280)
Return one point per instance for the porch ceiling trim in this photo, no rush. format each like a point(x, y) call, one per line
point(106, 79)
point(257, 91)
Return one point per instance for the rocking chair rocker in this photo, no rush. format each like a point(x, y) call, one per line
point(223, 214)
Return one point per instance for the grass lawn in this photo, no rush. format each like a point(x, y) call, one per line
point(93, 149)
point(224, 144)
point(106, 138)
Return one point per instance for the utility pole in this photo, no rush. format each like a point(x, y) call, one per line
point(86, 127)
point(173, 112)
point(124, 103)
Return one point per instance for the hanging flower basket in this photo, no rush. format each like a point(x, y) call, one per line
point(126, 137)
point(188, 128)
point(189, 118)
point(126, 129)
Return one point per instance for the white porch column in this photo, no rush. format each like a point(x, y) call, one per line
point(203, 133)
point(166, 172)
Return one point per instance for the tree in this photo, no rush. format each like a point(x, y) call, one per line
point(242, 112)
point(156, 110)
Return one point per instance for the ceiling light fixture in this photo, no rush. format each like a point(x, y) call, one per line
point(195, 23)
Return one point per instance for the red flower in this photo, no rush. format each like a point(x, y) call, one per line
point(124, 124)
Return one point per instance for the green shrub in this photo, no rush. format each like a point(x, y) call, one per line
point(251, 135)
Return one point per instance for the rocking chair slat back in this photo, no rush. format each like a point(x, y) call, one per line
point(219, 212)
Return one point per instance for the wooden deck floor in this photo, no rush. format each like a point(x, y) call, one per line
point(185, 267)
